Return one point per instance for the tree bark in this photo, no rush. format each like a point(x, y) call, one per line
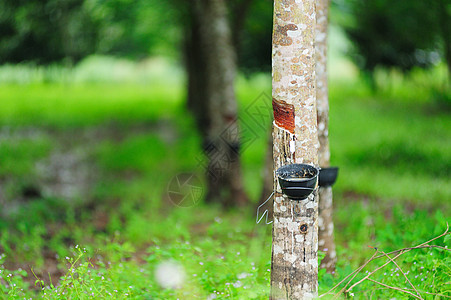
point(326, 225)
point(294, 264)
point(222, 148)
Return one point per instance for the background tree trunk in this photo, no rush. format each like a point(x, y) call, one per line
point(222, 145)
point(195, 57)
point(325, 221)
point(195, 65)
point(294, 264)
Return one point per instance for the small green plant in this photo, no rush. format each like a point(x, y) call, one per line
point(12, 282)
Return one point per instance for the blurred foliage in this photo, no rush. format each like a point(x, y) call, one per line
point(255, 51)
point(384, 33)
point(67, 31)
point(135, 28)
point(400, 34)
point(45, 31)
point(52, 31)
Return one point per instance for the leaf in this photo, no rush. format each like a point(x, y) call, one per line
point(439, 217)
point(409, 259)
point(447, 238)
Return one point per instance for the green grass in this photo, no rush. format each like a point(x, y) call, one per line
point(17, 155)
point(393, 149)
point(390, 149)
point(85, 105)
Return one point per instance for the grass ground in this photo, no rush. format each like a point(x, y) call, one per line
point(103, 226)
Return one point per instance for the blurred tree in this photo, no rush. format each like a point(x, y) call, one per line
point(194, 52)
point(211, 67)
point(325, 220)
point(399, 33)
point(250, 29)
point(195, 65)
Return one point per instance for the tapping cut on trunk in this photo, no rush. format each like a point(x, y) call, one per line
point(283, 114)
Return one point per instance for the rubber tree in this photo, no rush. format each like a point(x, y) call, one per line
point(294, 263)
point(195, 55)
point(326, 225)
point(212, 97)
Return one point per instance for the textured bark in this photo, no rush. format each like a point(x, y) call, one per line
point(224, 168)
point(326, 225)
point(294, 264)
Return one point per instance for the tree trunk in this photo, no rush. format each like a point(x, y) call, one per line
point(224, 168)
point(325, 221)
point(195, 65)
point(294, 265)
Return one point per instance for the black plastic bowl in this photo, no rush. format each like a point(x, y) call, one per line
point(297, 180)
point(328, 176)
